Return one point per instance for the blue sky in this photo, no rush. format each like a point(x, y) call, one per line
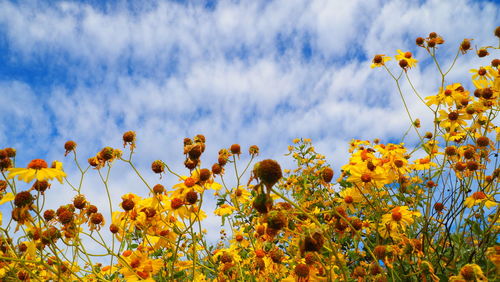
point(248, 72)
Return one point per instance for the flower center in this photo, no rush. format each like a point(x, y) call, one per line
point(37, 164)
point(366, 178)
point(396, 216)
point(479, 196)
point(348, 200)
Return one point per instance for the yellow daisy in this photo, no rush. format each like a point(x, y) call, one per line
point(38, 169)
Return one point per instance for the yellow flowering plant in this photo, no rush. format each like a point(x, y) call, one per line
point(425, 212)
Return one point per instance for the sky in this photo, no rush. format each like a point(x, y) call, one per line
point(246, 72)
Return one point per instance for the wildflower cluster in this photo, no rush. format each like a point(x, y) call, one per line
point(392, 213)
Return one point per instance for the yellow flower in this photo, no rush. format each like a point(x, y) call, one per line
point(479, 198)
point(470, 272)
point(452, 95)
point(408, 57)
point(38, 169)
point(224, 209)
point(399, 216)
point(349, 197)
point(379, 60)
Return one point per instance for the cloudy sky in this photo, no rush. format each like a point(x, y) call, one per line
point(247, 72)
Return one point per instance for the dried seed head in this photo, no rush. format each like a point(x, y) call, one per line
point(482, 53)
point(379, 251)
point(465, 45)
point(129, 137)
point(472, 165)
point(191, 197)
point(204, 174)
point(276, 220)
point(48, 215)
point(301, 270)
point(235, 149)
point(195, 152)
point(487, 93)
point(190, 164)
point(128, 204)
point(468, 273)
point(79, 202)
point(158, 189)
point(483, 141)
point(377, 59)
point(41, 186)
point(114, 229)
point(313, 243)
point(419, 41)
point(327, 174)
point(253, 150)
point(439, 207)
point(403, 63)
point(268, 171)
point(433, 35)
point(495, 63)
point(97, 218)
point(69, 146)
point(262, 203)
point(216, 168)
point(11, 152)
point(106, 153)
point(497, 31)
point(157, 166)
point(176, 203)
point(65, 217)
point(23, 199)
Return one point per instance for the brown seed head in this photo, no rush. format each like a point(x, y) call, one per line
point(128, 204)
point(97, 218)
point(91, 209)
point(465, 45)
point(468, 273)
point(313, 243)
point(114, 229)
point(439, 207)
point(359, 272)
point(176, 203)
point(157, 166)
point(327, 174)
point(269, 172)
point(483, 141)
point(11, 152)
point(106, 153)
point(433, 35)
point(23, 275)
point(469, 153)
point(366, 178)
point(191, 197)
point(69, 146)
point(41, 186)
point(379, 251)
point(195, 152)
point(276, 255)
point(403, 63)
point(216, 169)
point(419, 41)
point(65, 217)
point(301, 270)
point(396, 216)
point(495, 63)
point(48, 215)
point(497, 31)
point(129, 137)
point(235, 149)
point(79, 202)
point(190, 164)
point(432, 42)
point(377, 59)
point(204, 174)
point(23, 199)
point(253, 150)
point(226, 258)
point(472, 165)
point(482, 53)
point(453, 115)
point(487, 93)
point(276, 220)
point(158, 189)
